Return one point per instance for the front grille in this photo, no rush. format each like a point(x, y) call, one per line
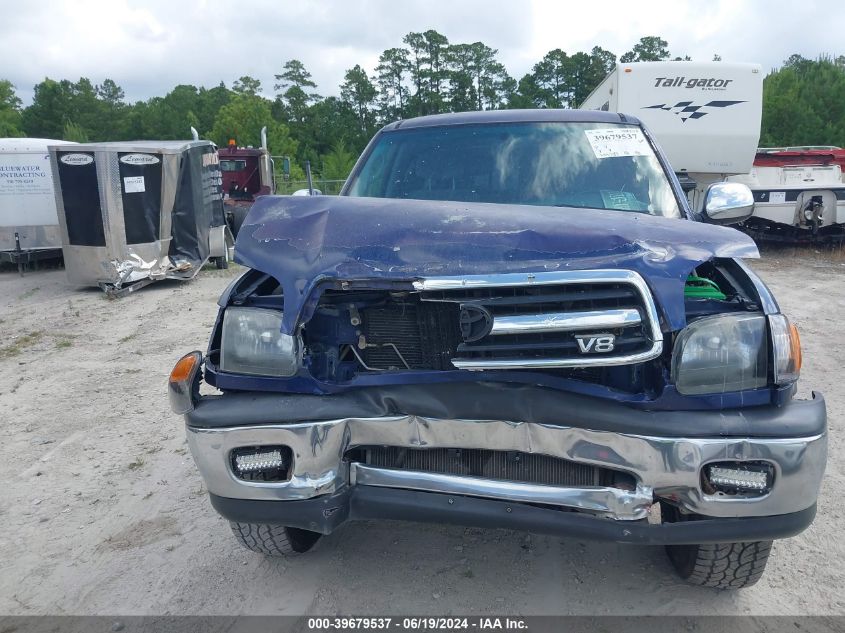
point(504, 302)
point(500, 465)
point(541, 321)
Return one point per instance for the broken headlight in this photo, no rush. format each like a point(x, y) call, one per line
point(252, 343)
point(721, 353)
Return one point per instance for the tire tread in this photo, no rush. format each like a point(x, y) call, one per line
point(723, 565)
point(273, 540)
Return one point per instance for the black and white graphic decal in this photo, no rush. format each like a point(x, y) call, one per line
point(688, 109)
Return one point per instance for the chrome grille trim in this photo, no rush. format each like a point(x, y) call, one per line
point(552, 363)
point(616, 503)
point(528, 468)
point(565, 321)
point(609, 276)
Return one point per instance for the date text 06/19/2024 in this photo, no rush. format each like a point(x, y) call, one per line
point(428, 623)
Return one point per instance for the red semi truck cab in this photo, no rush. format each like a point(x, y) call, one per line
point(247, 173)
point(244, 176)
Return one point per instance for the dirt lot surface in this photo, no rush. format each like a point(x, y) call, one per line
point(103, 511)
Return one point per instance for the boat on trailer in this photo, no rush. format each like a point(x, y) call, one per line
point(799, 193)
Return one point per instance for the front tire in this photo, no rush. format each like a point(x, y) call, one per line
point(274, 540)
point(719, 565)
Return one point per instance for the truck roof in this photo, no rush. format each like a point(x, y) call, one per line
point(235, 152)
point(545, 115)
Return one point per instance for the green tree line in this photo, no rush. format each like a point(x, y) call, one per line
point(804, 103)
point(426, 74)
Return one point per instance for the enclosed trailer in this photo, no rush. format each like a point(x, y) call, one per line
point(138, 211)
point(29, 224)
point(706, 116)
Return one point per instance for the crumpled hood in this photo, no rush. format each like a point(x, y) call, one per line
point(303, 240)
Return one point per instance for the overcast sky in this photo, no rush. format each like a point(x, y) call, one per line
point(149, 46)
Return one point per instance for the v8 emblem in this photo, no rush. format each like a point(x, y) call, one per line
point(595, 343)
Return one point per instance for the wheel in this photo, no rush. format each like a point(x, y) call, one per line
point(719, 565)
point(274, 540)
point(238, 217)
point(222, 262)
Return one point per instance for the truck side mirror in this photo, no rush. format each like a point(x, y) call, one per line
point(728, 203)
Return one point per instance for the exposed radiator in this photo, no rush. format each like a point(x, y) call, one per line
point(426, 335)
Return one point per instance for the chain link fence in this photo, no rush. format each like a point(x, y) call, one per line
point(326, 187)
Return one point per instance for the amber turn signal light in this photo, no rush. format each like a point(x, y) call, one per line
point(182, 387)
point(185, 367)
point(795, 347)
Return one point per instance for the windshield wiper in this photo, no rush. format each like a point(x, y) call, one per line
point(578, 206)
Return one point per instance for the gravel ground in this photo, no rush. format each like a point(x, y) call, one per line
point(105, 513)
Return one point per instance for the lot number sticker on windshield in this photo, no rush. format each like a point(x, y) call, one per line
point(616, 142)
point(133, 184)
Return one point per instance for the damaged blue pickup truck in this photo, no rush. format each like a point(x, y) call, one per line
point(508, 319)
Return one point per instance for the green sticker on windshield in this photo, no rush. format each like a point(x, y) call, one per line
point(622, 200)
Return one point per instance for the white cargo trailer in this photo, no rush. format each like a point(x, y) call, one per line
point(705, 116)
point(29, 223)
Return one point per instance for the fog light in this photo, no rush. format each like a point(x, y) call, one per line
point(266, 463)
point(740, 477)
point(251, 462)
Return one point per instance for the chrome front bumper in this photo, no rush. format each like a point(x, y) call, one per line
point(664, 467)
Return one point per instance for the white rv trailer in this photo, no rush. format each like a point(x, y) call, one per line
point(29, 223)
point(706, 116)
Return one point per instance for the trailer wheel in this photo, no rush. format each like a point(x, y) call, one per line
point(719, 565)
point(222, 262)
point(274, 540)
